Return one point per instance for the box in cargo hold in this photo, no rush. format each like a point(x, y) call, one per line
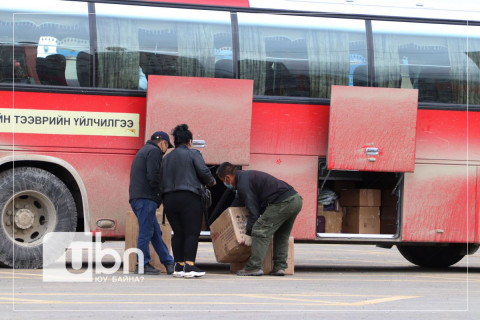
point(331, 222)
point(131, 236)
point(335, 206)
point(364, 220)
point(360, 198)
point(226, 232)
point(267, 265)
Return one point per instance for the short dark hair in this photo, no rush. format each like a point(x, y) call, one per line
point(226, 168)
point(181, 135)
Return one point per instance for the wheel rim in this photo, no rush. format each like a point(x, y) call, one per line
point(27, 217)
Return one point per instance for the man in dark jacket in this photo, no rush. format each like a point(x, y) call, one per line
point(145, 199)
point(272, 206)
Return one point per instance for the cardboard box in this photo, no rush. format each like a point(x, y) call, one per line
point(267, 265)
point(131, 235)
point(226, 232)
point(365, 220)
point(322, 208)
point(360, 198)
point(333, 220)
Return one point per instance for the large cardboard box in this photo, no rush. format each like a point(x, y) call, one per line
point(131, 236)
point(333, 220)
point(226, 232)
point(361, 220)
point(360, 198)
point(267, 265)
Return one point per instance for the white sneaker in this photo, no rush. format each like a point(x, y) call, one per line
point(178, 271)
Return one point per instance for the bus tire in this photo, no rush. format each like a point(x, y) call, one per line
point(33, 202)
point(433, 256)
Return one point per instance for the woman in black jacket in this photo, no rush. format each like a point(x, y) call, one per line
point(183, 174)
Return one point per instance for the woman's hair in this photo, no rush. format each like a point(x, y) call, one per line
point(181, 135)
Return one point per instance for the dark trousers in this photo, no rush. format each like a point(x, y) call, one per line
point(276, 221)
point(184, 212)
point(149, 230)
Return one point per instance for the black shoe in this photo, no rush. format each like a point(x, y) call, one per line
point(254, 272)
point(178, 271)
point(170, 268)
point(279, 272)
point(148, 269)
point(192, 271)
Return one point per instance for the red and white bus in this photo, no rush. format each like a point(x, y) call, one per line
point(344, 94)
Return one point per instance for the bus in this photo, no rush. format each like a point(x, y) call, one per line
point(326, 95)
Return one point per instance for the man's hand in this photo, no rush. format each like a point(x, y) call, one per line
point(247, 240)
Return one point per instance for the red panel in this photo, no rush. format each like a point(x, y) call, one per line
point(477, 209)
point(372, 118)
point(439, 204)
point(229, 3)
point(218, 111)
point(73, 102)
point(443, 135)
point(301, 172)
point(106, 178)
point(289, 129)
point(303, 129)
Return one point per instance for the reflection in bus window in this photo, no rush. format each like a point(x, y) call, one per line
point(435, 59)
point(301, 56)
point(40, 48)
point(161, 41)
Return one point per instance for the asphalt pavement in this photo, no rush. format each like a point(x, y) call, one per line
point(330, 281)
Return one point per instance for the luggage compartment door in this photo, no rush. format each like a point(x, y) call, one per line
point(217, 111)
point(372, 129)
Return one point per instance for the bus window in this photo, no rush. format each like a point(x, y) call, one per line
point(41, 48)
point(301, 56)
point(136, 41)
point(436, 59)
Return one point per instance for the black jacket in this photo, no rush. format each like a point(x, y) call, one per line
point(145, 173)
point(256, 190)
point(184, 169)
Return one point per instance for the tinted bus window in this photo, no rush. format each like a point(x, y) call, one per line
point(441, 61)
point(135, 42)
point(301, 56)
point(40, 41)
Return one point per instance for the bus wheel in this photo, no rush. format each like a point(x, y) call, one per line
point(33, 202)
point(433, 256)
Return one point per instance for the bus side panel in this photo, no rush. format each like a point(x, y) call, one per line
point(106, 178)
point(439, 204)
point(303, 129)
point(442, 134)
point(37, 114)
point(289, 129)
point(301, 172)
point(477, 207)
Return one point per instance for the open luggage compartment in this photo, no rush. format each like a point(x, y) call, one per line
point(358, 204)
